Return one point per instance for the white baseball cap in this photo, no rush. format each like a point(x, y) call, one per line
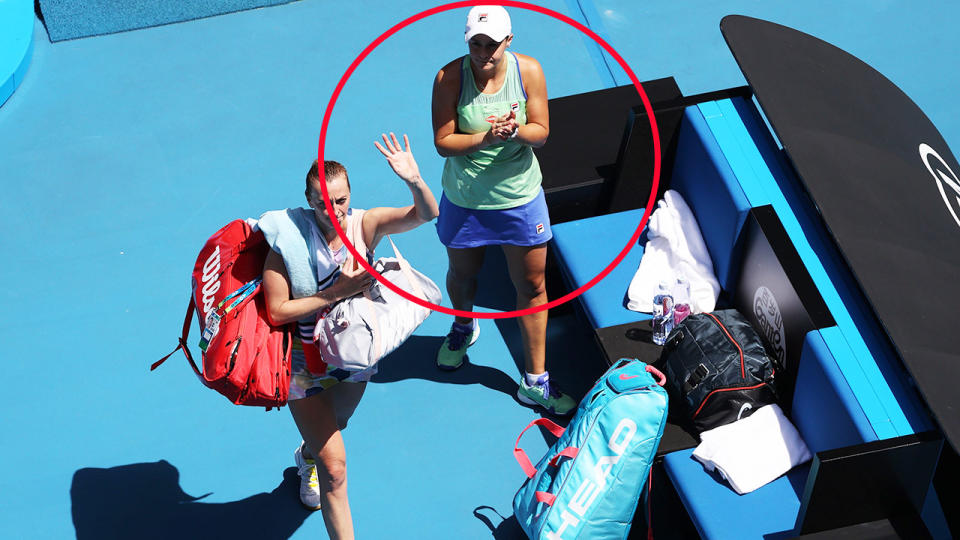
point(493, 21)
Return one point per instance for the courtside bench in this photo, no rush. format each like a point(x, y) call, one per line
point(726, 162)
point(827, 415)
point(721, 189)
point(583, 248)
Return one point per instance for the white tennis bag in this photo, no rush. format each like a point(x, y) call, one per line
point(359, 331)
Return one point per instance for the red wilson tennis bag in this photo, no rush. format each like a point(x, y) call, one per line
point(244, 357)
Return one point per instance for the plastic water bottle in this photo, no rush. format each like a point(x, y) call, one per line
point(681, 290)
point(662, 322)
point(681, 297)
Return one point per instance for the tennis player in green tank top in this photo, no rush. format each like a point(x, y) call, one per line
point(489, 112)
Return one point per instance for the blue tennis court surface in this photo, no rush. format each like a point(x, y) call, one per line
point(119, 156)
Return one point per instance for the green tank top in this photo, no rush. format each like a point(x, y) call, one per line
point(502, 175)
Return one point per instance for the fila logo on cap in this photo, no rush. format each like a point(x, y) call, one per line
point(482, 17)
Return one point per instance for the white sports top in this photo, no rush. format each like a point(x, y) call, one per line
point(329, 262)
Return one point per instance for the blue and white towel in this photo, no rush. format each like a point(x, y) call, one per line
point(288, 232)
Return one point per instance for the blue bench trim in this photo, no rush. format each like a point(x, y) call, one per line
point(866, 361)
point(859, 428)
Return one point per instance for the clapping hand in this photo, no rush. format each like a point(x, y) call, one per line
point(400, 159)
point(505, 126)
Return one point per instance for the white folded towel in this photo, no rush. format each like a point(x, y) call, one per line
point(753, 451)
point(675, 248)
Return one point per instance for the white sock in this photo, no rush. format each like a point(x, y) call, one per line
point(533, 378)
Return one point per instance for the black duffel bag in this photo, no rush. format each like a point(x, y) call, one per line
point(717, 369)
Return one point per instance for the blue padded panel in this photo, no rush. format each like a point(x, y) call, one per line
point(704, 179)
point(584, 248)
point(825, 410)
point(859, 382)
point(719, 512)
point(870, 366)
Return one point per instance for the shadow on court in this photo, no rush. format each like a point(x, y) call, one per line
point(496, 291)
point(574, 360)
point(144, 500)
point(417, 359)
point(494, 288)
point(506, 528)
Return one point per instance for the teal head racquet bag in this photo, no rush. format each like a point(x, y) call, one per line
point(589, 482)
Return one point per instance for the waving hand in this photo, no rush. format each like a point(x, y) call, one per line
point(400, 159)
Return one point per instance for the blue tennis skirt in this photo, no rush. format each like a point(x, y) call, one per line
point(524, 225)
